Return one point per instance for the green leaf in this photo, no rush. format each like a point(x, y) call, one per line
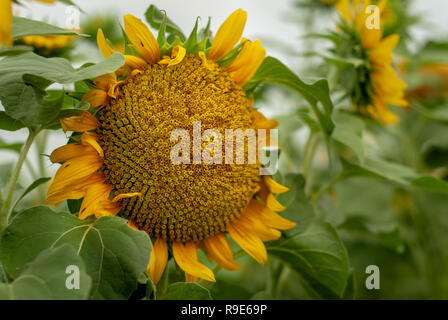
point(186, 291)
point(298, 207)
point(350, 291)
point(9, 124)
point(319, 257)
point(31, 187)
point(27, 27)
point(16, 147)
point(379, 169)
point(155, 18)
point(45, 278)
point(273, 71)
point(223, 289)
point(14, 50)
point(115, 255)
point(387, 235)
point(23, 80)
point(349, 131)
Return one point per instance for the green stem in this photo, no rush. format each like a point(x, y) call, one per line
point(308, 155)
point(327, 187)
point(4, 213)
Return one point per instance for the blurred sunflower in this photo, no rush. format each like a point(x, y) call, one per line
point(6, 20)
point(122, 160)
point(378, 84)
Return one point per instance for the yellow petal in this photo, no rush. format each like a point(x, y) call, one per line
point(94, 194)
point(187, 259)
point(268, 216)
point(218, 249)
point(105, 208)
point(273, 203)
point(158, 260)
point(190, 278)
point(83, 122)
point(247, 63)
point(274, 186)
point(141, 37)
point(228, 35)
point(95, 97)
point(343, 6)
point(76, 168)
point(248, 242)
point(104, 47)
point(177, 55)
point(6, 22)
point(89, 138)
point(134, 62)
point(69, 151)
point(126, 196)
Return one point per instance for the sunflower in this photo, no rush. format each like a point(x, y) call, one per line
point(6, 20)
point(120, 158)
point(48, 42)
point(379, 85)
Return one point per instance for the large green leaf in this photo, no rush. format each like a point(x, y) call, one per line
point(349, 131)
point(319, 257)
point(24, 78)
point(9, 124)
point(115, 255)
point(298, 207)
point(273, 71)
point(27, 27)
point(186, 291)
point(375, 168)
point(45, 278)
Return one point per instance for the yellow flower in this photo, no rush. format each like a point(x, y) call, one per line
point(385, 86)
point(48, 42)
point(6, 21)
point(122, 158)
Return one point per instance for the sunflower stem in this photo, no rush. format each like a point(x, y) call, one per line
point(4, 212)
point(308, 155)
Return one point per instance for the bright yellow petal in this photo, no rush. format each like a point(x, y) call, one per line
point(344, 8)
point(187, 259)
point(158, 260)
point(248, 242)
point(274, 186)
point(83, 122)
point(94, 194)
point(95, 97)
point(268, 216)
point(69, 151)
point(273, 203)
point(6, 22)
point(177, 55)
point(228, 35)
point(141, 37)
point(76, 190)
point(218, 249)
point(104, 47)
point(190, 278)
point(134, 62)
point(89, 138)
point(126, 196)
point(247, 63)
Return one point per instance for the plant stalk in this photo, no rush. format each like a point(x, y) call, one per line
point(4, 212)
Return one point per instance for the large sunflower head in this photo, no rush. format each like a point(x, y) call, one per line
point(120, 156)
point(377, 84)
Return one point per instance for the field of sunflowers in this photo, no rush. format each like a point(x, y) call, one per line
point(116, 180)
